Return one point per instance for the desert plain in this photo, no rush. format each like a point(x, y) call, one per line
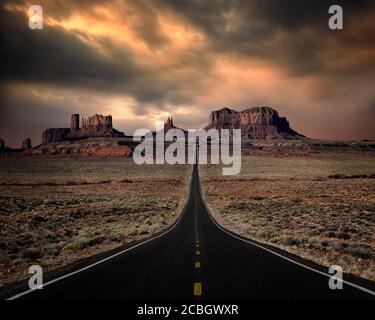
point(316, 203)
point(315, 200)
point(56, 211)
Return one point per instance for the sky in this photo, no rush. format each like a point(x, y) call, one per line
point(145, 60)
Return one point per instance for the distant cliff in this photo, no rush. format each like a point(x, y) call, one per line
point(95, 126)
point(255, 123)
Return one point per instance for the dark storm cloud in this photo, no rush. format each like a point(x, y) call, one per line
point(26, 116)
point(268, 16)
point(242, 28)
point(250, 28)
point(53, 55)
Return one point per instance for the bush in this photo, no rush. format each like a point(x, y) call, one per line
point(342, 235)
point(32, 253)
point(361, 251)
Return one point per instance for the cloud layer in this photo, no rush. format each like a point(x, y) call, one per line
point(143, 60)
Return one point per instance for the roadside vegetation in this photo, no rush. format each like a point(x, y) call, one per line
point(322, 209)
point(56, 211)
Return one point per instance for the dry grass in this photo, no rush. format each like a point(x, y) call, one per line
point(303, 206)
point(54, 212)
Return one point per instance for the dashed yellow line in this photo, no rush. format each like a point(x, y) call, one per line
point(197, 265)
point(197, 245)
point(198, 253)
point(197, 289)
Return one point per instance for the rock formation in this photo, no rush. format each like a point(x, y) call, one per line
point(85, 148)
point(26, 144)
point(74, 123)
point(95, 126)
point(55, 134)
point(168, 125)
point(2, 144)
point(255, 123)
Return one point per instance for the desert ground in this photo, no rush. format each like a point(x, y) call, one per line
point(318, 205)
point(55, 211)
point(314, 199)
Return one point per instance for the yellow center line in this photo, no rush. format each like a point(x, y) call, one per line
point(197, 265)
point(197, 289)
point(198, 253)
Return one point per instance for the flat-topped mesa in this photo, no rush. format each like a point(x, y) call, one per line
point(255, 123)
point(95, 126)
point(2, 144)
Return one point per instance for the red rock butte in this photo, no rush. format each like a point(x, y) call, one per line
point(95, 126)
point(255, 123)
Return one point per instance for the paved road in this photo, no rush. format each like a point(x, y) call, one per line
point(196, 260)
